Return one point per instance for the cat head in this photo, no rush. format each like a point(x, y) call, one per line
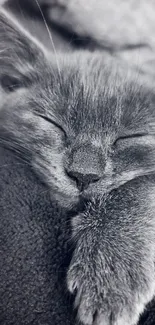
point(83, 121)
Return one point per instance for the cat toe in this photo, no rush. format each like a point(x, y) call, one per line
point(72, 280)
point(86, 309)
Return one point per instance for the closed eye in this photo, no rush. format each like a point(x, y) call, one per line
point(10, 83)
point(49, 120)
point(130, 136)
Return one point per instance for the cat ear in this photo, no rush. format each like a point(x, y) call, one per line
point(19, 53)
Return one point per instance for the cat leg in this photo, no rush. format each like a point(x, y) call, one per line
point(112, 268)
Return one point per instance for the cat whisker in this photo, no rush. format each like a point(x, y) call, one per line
point(50, 36)
point(7, 165)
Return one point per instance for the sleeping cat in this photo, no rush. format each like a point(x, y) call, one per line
point(86, 125)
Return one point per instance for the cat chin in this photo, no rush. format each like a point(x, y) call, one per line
point(66, 201)
point(92, 193)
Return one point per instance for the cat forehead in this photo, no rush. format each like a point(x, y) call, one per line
point(91, 92)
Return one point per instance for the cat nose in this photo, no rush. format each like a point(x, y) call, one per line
point(83, 180)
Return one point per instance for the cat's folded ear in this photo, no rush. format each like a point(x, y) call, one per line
point(19, 52)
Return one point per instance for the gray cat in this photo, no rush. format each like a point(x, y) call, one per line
point(86, 125)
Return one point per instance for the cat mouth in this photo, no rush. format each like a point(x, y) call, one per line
point(66, 200)
point(73, 202)
point(106, 185)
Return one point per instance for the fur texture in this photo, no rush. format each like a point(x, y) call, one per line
point(86, 126)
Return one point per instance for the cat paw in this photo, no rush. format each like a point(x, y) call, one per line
point(109, 289)
point(99, 303)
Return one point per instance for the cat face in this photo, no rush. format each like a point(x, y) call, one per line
point(82, 121)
